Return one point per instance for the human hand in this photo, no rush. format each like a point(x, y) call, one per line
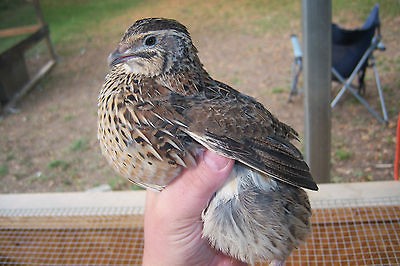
point(172, 222)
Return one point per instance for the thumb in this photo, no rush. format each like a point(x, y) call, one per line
point(196, 186)
point(212, 172)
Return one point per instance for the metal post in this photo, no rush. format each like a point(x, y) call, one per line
point(317, 39)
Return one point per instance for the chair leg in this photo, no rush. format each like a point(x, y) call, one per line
point(297, 65)
point(366, 104)
point(338, 96)
point(296, 70)
point(378, 86)
point(346, 83)
point(347, 86)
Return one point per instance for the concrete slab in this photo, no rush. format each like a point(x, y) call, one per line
point(352, 192)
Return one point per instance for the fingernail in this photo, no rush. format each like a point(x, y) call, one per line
point(214, 161)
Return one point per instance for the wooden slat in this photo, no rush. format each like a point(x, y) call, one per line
point(18, 30)
point(32, 39)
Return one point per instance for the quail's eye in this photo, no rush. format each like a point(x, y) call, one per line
point(150, 41)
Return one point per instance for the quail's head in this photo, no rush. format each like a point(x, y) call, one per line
point(153, 47)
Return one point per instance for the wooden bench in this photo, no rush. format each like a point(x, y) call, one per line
point(15, 80)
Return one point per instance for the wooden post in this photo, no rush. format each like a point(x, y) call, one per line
point(42, 22)
point(317, 42)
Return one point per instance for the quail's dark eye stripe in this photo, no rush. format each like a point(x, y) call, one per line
point(146, 54)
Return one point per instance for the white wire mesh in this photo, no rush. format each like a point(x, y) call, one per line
point(72, 237)
point(352, 232)
point(345, 232)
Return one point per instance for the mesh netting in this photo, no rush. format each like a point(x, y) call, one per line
point(345, 232)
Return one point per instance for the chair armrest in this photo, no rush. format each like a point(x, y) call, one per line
point(296, 46)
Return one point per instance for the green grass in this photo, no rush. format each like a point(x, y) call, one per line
point(273, 20)
point(362, 8)
point(67, 182)
point(10, 157)
point(3, 170)
point(236, 81)
point(79, 145)
point(343, 154)
point(8, 9)
point(74, 18)
point(117, 183)
point(69, 20)
point(58, 164)
point(38, 177)
point(337, 179)
point(120, 183)
point(278, 90)
point(136, 187)
point(68, 117)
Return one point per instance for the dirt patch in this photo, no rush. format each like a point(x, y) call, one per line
point(51, 143)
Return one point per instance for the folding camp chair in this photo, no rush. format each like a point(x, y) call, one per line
point(352, 53)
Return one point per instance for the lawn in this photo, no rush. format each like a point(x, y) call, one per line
point(50, 144)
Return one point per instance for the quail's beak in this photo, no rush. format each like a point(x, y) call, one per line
point(114, 58)
point(117, 57)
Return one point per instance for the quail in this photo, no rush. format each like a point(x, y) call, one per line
point(158, 108)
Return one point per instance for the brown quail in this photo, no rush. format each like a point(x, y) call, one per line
point(159, 107)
